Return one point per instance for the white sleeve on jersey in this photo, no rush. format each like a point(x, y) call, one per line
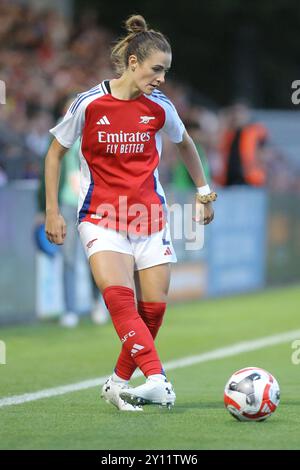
point(70, 127)
point(173, 126)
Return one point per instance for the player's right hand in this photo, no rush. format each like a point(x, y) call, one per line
point(55, 228)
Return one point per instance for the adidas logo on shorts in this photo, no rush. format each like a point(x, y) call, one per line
point(168, 251)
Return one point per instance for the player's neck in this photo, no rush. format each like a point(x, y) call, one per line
point(123, 88)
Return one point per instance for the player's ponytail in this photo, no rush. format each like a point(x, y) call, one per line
point(136, 24)
point(140, 41)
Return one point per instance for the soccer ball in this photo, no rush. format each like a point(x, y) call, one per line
point(251, 394)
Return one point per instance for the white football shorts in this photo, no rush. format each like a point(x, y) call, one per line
point(147, 251)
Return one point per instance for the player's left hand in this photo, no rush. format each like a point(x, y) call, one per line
point(204, 213)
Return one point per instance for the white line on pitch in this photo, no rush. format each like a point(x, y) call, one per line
point(233, 350)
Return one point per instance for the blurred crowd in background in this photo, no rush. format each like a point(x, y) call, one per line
point(45, 59)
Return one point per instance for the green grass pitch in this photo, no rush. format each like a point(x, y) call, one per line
point(45, 356)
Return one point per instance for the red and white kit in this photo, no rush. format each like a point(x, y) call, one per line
point(121, 143)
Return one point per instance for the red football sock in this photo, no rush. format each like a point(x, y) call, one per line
point(132, 331)
point(152, 313)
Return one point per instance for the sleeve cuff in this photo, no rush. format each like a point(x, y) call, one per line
point(60, 140)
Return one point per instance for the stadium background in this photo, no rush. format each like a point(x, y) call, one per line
point(222, 52)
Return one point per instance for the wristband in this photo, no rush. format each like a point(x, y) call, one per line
point(204, 190)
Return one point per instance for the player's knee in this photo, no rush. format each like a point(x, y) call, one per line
point(109, 282)
point(161, 296)
point(152, 313)
point(119, 300)
point(105, 280)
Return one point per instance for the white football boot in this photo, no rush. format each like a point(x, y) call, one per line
point(111, 394)
point(155, 391)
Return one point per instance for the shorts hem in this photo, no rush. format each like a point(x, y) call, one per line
point(151, 265)
point(109, 249)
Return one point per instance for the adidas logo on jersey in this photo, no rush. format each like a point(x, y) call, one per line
point(145, 119)
point(168, 251)
point(103, 120)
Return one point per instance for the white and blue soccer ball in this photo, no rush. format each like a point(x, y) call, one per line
point(251, 394)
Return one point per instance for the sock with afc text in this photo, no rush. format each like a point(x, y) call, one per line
point(152, 313)
point(131, 329)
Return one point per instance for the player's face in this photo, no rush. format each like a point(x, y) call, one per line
point(150, 74)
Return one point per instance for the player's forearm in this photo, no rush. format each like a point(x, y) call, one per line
point(52, 173)
point(191, 159)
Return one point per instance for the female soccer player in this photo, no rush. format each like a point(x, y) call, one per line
point(122, 208)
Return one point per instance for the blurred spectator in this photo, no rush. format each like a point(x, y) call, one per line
point(44, 58)
point(38, 138)
point(69, 186)
point(242, 149)
point(68, 199)
point(281, 176)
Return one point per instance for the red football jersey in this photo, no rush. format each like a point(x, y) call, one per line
point(120, 150)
